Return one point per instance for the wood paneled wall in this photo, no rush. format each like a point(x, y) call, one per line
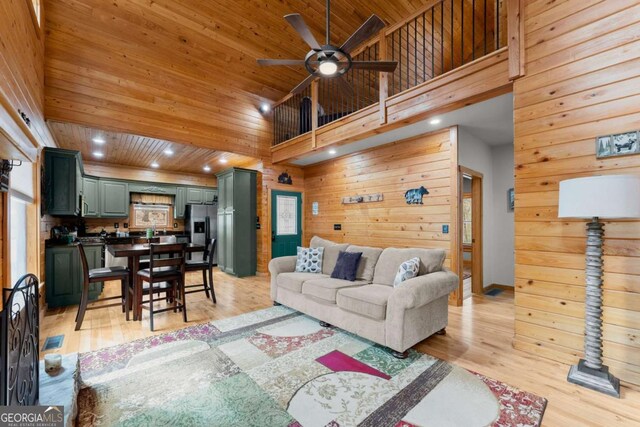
point(266, 181)
point(150, 175)
point(21, 81)
point(582, 80)
point(429, 160)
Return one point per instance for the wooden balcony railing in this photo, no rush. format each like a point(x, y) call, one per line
point(441, 37)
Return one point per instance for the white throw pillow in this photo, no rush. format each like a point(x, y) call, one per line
point(407, 270)
point(309, 260)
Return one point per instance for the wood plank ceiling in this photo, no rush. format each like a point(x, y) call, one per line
point(139, 151)
point(184, 70)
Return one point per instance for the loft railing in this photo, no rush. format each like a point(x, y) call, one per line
point(444, 36)
point(292, 117)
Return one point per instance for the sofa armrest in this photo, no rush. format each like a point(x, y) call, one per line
point(284, 264)
point(423, 289)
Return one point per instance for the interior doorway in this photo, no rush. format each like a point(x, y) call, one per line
point(471, 226)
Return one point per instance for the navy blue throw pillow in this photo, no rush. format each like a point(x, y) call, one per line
point(347, 266)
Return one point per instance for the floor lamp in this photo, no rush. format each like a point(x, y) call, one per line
point(595, 198)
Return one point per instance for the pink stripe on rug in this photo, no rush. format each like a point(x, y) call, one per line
point(338, 361)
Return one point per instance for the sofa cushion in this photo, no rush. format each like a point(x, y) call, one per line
point(368, 300)
point(309, 260)
point(293, 281)
point(367, 262)
point(326, 289)
point(331, 251)
point(347, 266)
point(431, 260)
point(407, 270)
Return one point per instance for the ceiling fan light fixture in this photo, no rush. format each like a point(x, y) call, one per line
point(328, 68)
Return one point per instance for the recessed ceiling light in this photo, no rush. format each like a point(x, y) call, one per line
point(155, 165)
point(168, 152)
point(207, 169)
point(98, 154)
point(435, 121)
point(265, 108)
point(223, 160)
point(332, 151)
point(99, 140)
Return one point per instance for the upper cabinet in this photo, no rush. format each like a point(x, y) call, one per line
point(67, 192)
point(180, 202)
point(91, 194)
point(195, 196)
point(114, 199)
point(63, 182)
point(210, 196)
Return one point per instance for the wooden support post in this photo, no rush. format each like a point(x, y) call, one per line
point(455, 298)
point(383, 79)
point(314, 112)
point(515, 29)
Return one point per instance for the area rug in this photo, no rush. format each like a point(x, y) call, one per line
point(277, 367)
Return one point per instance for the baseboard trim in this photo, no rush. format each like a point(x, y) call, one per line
point(498, 286)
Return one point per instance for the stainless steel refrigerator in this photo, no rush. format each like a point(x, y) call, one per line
point(201, 224)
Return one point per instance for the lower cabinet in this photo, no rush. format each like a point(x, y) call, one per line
point(63, 279)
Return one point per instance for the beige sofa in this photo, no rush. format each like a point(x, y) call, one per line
point(371, 307)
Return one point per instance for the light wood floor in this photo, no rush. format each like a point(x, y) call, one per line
point(478, 338)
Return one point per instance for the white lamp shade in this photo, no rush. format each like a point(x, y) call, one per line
point(608, 196)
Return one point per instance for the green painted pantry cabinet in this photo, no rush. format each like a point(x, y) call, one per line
point(63, 182)
point(237, 222)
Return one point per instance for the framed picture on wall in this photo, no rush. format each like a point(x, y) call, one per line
point(619, 144)
point(511, 200)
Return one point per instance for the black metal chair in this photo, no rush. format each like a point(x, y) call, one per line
point(97, 275)
point(164, 275)
point(206, 266)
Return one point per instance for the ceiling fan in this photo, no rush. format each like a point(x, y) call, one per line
point(330, 61)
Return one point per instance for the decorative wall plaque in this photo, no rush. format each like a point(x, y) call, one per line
point(365, 198)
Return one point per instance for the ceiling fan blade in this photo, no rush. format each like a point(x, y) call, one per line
point(269, 62)
point(344, 85)
point(367, 30)
point(296, 21)
point(303, 84)
point(387, 66)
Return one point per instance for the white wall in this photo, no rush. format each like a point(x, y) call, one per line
point(496, 165)
point(503, 179)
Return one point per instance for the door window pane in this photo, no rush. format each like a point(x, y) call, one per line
point(287, 212)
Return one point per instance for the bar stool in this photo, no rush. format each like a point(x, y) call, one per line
point(205, 265)
point(96, 275)
point(164, 275)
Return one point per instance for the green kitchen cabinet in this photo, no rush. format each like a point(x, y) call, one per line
point(62, 182)
point(180, 202)
point(195, 196)
point(209, 196)
point(64, 274)
point(91, 196)
point(237, 222)
point(114, 199)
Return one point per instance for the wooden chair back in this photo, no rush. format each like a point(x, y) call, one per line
point(176, 256)
point(210, 252)
point(83, 263)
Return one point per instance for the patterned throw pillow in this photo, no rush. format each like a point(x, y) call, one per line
point(408, 270)
point(309, 260)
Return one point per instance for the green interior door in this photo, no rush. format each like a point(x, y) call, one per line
point(286, 223)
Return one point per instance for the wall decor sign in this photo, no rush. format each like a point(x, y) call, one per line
point(285, 178)
point(619, 144)
point(365, 198)
point(511, 200)
point(314, 208)
point(414, 196)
